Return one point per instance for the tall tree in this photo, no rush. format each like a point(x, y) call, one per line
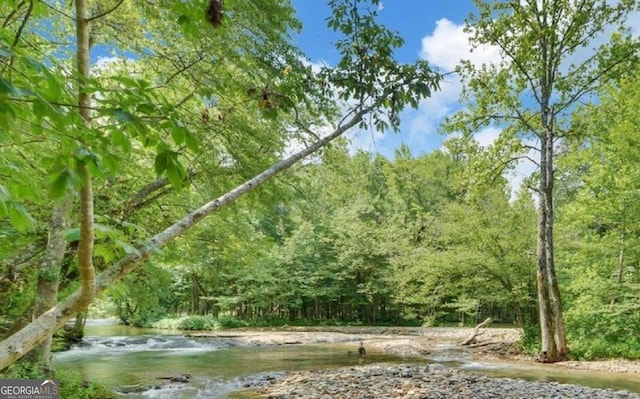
point(554, 54)
point(367, 75)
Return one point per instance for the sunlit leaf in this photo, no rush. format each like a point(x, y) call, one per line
point(20, 217)
point(72, 235)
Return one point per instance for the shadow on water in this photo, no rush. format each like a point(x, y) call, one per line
point(131, 361)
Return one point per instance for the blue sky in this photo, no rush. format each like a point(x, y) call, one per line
point(431, 30)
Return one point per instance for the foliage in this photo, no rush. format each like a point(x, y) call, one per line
point(347, 238)
point(543, 70)
point(226, 322)
point(601, 226)
point(197, 323)
point(144, 296)
point(598, 330)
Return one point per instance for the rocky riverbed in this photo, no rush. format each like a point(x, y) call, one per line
point(422, 381)
point(413, 381)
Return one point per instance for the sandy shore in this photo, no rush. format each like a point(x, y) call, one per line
point(414, 341)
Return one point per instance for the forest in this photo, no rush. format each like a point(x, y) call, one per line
point(202, 175)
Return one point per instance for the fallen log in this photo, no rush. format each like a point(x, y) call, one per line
point(485, 343)
point(472, 338)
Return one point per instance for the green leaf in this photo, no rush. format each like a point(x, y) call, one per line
point(7, 117)
point(179, 135)
point(7, 88)
point(123, 116)
point(19, 217)
point(146, 108)
point(53, 88)
point(176, 174)
point(35, 65)
point(161, 162)
point(59, 183)
point(72, 235)
point(4, 193)
point(105, 252)
point(127, 82)
point(192, 142)
point(104, 231)
point(117, 138)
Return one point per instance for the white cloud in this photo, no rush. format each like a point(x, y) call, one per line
point(104, 63)
point(487, 136)
point(444, 48)
point(449, 44)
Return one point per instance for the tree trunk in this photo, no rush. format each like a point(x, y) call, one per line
point(548, 351)
point(85, 244)
point(76, 333)
point(49, 279)
point(561, 341)
point(623, 237)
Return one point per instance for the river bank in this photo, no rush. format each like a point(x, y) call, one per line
point(416, 342)
point(323, 362)
point(431, 381)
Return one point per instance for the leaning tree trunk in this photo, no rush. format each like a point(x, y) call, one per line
point(17, 345)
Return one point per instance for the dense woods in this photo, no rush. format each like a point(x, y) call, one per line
point(119, 175)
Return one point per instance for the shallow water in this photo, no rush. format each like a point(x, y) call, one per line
point(135, 361)
point(451, 355)
point(131, 360)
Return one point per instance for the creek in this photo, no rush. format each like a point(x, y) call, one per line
point(132, 361)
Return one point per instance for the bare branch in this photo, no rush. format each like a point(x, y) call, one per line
point(8, 19)
point(109, 11)
point(16, 40)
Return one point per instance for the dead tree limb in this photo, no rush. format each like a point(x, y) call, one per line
point(472, 338)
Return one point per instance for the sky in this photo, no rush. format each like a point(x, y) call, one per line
point(432, 30)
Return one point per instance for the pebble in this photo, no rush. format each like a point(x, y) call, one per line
point(418, 382)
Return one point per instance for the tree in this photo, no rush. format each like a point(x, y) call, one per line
point(122, 119)
point(601, 224)
point(547, 66)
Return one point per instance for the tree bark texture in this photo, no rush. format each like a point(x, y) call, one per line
point(548, 350)
point(49, 277)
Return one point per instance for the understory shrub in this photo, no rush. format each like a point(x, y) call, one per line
point(605, 332)
point(197, 323)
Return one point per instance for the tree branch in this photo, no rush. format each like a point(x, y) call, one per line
point(17, 345)
point(109, 11)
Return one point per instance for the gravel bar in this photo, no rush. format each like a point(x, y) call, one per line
point(413, 382)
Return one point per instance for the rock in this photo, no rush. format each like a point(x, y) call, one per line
point(414, 381)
